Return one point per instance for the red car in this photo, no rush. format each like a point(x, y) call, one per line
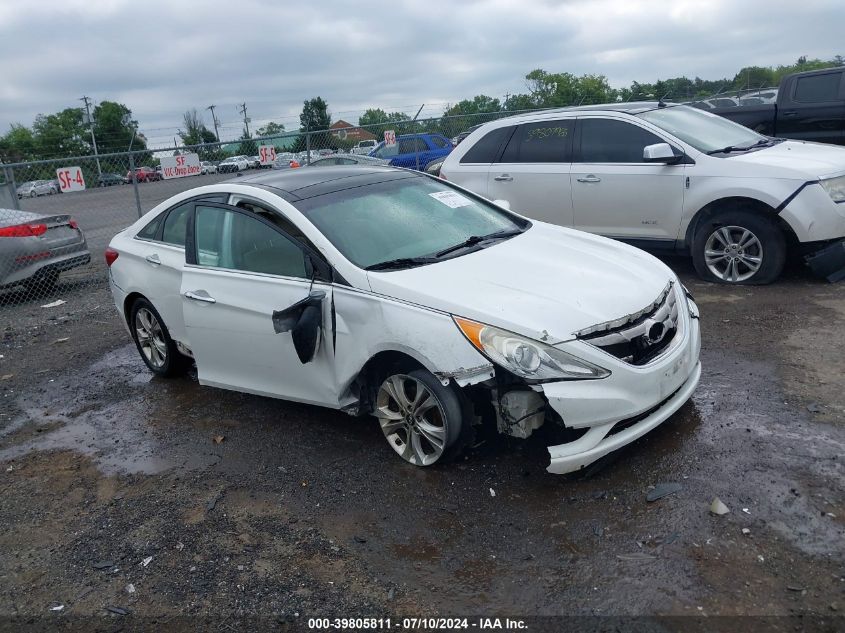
point(143, 174)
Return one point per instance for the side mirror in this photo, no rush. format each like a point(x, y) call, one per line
point(660, 153)
point(304, 321)
point(503, 203)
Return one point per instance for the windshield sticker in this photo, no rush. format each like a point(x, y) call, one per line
point(451, 199)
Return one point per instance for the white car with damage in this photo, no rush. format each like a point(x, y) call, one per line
point(382, 291)
point(667, 178)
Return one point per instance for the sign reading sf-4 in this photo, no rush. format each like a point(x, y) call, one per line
point(267, 154)
point(70, 179)
point(180, 166)
point(389, 138)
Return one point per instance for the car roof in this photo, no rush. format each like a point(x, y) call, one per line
point(634, 108)
point(302, 183)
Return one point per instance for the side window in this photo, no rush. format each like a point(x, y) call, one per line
point(818, 88)
point(150, 231)
point(387, 151)
point(408, 146)
point(541, 142)
point(227, 239)
point(611, 141)
point(175, 225)
point(487, 148)
point(439, 143)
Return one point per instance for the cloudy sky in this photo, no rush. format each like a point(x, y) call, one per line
point(161, 58)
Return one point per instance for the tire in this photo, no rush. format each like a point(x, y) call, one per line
point(157, 349)
point(33, 194)
point(727, 247)
point(422, 435)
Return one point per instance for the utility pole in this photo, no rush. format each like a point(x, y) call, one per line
point(214, 118)
point(242, 110)
point(91, 125)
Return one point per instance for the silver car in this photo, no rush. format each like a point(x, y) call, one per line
point(347, 159)
point(35, 188)
point(35, 248)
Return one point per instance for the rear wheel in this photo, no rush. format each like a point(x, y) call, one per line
point(157, 349)
point(423, 421)
point(739, 248)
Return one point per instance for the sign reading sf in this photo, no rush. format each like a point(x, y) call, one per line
point(180, 166)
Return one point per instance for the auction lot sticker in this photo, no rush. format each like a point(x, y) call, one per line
point(70, 179)
point(451, 199)
point(180, 166)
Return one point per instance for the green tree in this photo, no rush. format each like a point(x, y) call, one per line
point(17, 145)
point(315, 116)
point(61, 134)
point(114, 128)
point(271, 129)
point(195, 132)
point(247, 146)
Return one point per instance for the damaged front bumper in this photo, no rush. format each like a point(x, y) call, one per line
point(829, 261)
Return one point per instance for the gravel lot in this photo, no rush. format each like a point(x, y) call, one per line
point(116, 498)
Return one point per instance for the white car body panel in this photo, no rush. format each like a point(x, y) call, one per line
point(647, 201)
point(535, 284)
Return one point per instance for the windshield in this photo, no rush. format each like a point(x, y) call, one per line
point(704, 131)
point(407, 218)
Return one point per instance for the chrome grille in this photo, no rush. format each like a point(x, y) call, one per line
point(640, 337)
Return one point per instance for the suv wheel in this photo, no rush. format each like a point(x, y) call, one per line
point(739, 247)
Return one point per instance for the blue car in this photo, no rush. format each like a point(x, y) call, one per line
point(413, 151)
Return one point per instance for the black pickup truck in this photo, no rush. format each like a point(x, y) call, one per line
point(808, 106)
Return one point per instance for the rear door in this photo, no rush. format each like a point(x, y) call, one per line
point(473, 168)
point(242, 269)
point(532, 173)
point(615, 193)
point(813, 108)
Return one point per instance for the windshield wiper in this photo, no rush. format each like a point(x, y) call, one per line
point(472, 240)
point(401, 262)
point(734, 148)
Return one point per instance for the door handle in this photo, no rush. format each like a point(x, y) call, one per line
point(200, 297)
point(153, 259)
point(790, 113)
point(504, 178)
point(590, 178)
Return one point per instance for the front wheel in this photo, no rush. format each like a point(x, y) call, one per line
point(739, 247)
point(157, 349)
point(423, 421)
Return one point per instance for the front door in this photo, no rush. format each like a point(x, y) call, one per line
point(241, 270)
point(615, 193)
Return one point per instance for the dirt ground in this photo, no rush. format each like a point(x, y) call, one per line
point(117, 503)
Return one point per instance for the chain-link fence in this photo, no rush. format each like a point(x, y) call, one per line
point(57, 216)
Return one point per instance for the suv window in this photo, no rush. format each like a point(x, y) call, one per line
point(236, 241)
point(412, 145)
point(487, 148)
point(440, 143)
point(541, 142)
point(817, 88)
point(611, 141)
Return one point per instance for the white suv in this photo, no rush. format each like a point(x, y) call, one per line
point(670, 178)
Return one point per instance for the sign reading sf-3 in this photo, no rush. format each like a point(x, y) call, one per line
point(180, 166)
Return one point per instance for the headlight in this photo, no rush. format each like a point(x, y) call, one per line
point(527, 358)
point(835, 188)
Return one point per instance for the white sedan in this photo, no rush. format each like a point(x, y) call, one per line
point(382, 291)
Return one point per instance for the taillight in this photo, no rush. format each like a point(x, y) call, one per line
point(23, 230)
point(73, 224)
point(111, 256)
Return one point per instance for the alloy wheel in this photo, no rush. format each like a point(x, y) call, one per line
point(733, 253)
point(412, 419)
point(151, 338)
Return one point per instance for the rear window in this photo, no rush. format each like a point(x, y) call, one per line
point(440, 143)
point(487, 148)
point(816, 88)
point(541, 142)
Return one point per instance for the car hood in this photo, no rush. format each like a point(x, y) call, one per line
point(815, 160)
point(547, 283)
